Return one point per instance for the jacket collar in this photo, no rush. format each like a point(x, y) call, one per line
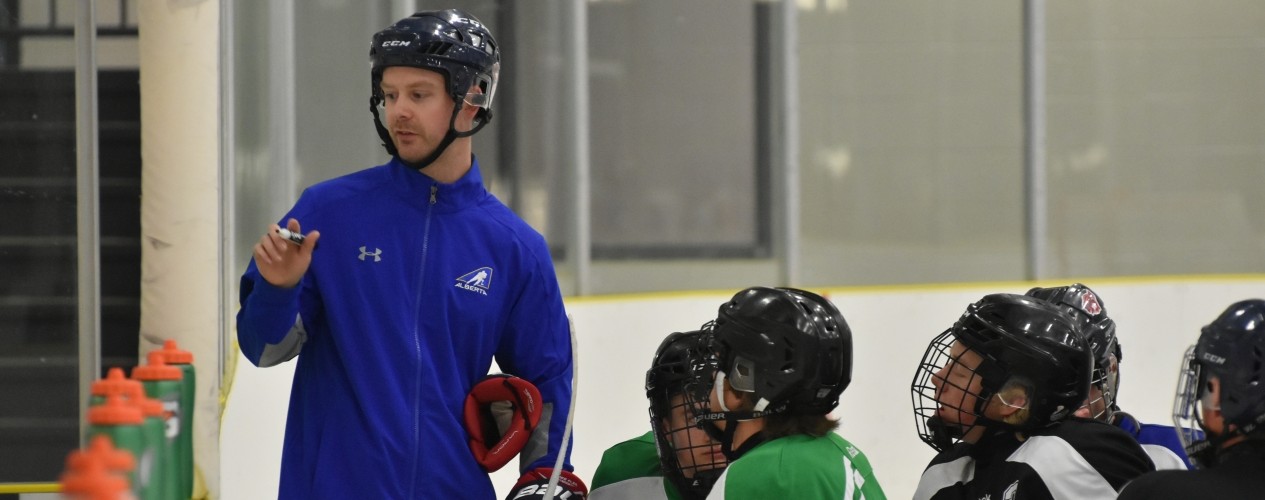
point(417, 187)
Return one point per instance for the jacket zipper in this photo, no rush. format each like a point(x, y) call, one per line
point(417, 341)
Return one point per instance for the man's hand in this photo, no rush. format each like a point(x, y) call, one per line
point(535, 482)
point(280, 261)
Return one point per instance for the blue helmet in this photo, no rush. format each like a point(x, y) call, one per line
point(450, 42)
point(1232, 349)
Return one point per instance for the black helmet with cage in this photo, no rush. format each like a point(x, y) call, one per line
point(450, 42)
point(685, 457)
point(1232, 349)
point(1086, 306)
point(1021, 342)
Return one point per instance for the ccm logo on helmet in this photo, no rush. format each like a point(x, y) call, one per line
point(396, 43)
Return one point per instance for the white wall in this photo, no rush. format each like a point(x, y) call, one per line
point(1157, 320)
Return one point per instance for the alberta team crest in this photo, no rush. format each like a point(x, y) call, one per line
point(478, 280)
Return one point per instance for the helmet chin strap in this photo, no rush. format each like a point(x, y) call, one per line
point(718, 385)
point(732, 419)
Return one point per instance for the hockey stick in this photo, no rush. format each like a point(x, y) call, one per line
point(566, 430)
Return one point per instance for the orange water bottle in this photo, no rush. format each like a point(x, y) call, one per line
point(122, 423)
point(183, 449)
point(163, 479)
point(115, 382)
point(90, 477)
point(97, 472)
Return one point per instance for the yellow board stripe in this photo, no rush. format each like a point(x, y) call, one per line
point(29, 488)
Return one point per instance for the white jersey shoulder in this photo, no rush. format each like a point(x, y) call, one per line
point(1065, 472)
point(940, 476)
point(1164, 458)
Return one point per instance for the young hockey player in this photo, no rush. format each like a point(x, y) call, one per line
point(994, 393)
point(1086, 307)
point(676, 448)
point(783, 358)
point(1221, 391)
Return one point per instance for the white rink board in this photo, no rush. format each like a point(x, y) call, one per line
point(891, 327)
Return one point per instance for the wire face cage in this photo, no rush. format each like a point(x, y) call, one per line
point(946, 392)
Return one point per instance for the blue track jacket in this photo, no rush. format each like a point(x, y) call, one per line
point(414, 286)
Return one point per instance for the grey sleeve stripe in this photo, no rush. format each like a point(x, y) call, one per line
point(288, 348)
point(940, 476)
point(1064, 471)
point(538, 444)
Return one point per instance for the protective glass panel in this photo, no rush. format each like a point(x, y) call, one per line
point(1155, 157)
point(911, 152)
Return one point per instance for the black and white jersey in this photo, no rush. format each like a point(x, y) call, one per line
point(1236, 475)
point(1076, 459)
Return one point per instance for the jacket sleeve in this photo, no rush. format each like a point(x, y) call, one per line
point(536, 346)
point(273, 322)
point(270, 328)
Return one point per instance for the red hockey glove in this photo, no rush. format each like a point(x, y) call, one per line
point(535, 482)
point(501, 412)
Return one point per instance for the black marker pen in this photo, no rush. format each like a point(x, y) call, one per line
point(295, 238)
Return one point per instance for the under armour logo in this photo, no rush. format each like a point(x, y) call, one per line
point(376, 254)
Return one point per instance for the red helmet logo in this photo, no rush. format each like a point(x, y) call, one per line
point(1089, 303)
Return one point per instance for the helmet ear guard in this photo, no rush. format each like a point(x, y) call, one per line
point(500, 414)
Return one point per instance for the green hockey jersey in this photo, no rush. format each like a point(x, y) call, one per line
point(630, 471)
point(800, 466)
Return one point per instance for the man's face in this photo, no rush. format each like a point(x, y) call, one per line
point(695, 450)
point(418, 110)
point(958, 386)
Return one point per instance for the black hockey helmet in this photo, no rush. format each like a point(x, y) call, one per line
point(450, 42)
point(667, 381)
point(669, 372)
point(1019, 340)
point(1086, 307)
point(790, 348)
point(1232, 349)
